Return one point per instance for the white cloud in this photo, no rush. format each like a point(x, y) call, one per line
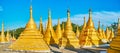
point(105, 18)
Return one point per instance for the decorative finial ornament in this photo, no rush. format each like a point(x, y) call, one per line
point(58, 20)
point(2, 26)
point(99, 24)
point(68, 13)
point(84, 19)
point(102, 26)
point(31, 11)
point(119, 20)
point(40, 19)
point(90, 22)
point(49, 13)
point(118, 23)
point(90, 13)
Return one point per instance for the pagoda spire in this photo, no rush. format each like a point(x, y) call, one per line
point(58, 30)
point(31, 23)
point(82, 32)
point(100, 33)
point(41, 26)
point(68, 23)
point(99, 29)
point(118, 23)
point(8, 36)
point(13, 36)
point(68, 16)
point(49, 14)
point(49, 18)
point(2, 34)
point(90, 13)
point(84, 25)
point(68, 13)
point(111, 35)
point(107, 33)
point(98, 24)
point(50, 36)
point(90, 22)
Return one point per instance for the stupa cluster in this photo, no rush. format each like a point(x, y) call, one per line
point(8, 38)
point(33, 39)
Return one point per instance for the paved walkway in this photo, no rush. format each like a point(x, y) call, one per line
point(3, 49)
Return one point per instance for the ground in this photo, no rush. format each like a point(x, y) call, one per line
point(3, 49)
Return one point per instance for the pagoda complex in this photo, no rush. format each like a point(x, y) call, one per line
point(115, 44)
point(69, 40)
point(50, 36)
point(30, 39)
point(90, 37)
point(3, 39)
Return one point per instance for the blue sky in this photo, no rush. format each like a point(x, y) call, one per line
point(15, 13)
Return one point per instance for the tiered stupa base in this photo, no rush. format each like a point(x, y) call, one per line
point(110, 50)
point(37, 45)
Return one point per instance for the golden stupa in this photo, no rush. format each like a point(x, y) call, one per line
point(13, 37)
point(107, 33)
point(69, 39)
point(99, 30)
point(58, 30)
point(115, 44)
point(77, 32)
point(82, 32)
point(50, 36)
point(2, 34)
point(90, 37)
point(84, 25)
point(8, 36)
point(111, 35)
point(41, 26)
point(30, 39)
